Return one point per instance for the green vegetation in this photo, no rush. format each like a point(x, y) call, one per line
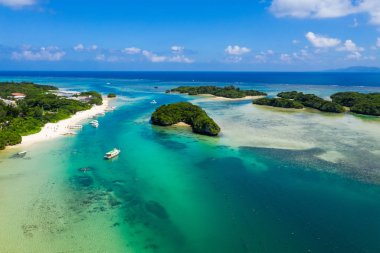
point(188, 113)
point(368, 104)
point(111, 95)
point(312, 101)
point(227, 92)
point(27, 116)
point(31, 89)
point(278, 102)
point(94, 97)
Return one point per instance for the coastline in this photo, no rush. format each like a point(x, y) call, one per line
point(54, 130)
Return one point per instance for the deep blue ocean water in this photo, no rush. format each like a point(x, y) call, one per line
point(173, 191)
point(241, 78)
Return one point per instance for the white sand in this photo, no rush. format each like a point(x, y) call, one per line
point(181, 124)
point(59, 129)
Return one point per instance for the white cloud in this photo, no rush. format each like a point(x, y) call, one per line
point(263, 56)
point(295, 41)
point(321, 41)
point(18, 3)
point(131, 50)
point(233, 59)
point(180, 58)
point(109, 58)
point(285, 58)
point(301, 55)
point(41, 54)
point(354, 56)
point(177, 49)
point(350, 46)
point(353, 49)
point(80, 47)
point(100, 57)
point(237, 50)
point(355, 23)
point(152, 57)
point(312, 8)
point(378, 42)
point(326, 8)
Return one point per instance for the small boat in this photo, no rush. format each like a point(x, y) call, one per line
point(70, 133)
point(113, 153)
point(94, 123)
point(22, 153)
point(153, 102)
point(75, 126)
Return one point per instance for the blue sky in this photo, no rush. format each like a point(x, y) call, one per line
point(273, 35)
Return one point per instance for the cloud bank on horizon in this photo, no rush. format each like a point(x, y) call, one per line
point(270, 35)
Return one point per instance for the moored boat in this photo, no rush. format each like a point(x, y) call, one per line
point(22, 153)
point(113, 153)
point(75, 127)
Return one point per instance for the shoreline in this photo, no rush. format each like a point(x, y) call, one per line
point(61, 128)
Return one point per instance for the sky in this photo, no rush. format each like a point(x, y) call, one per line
point(201, 35)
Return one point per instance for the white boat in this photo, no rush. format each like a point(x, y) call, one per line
point(75, 126)
point(22, 153)
point(70, 133)
point(153, 102)
point(113, 153)
point(96, 125)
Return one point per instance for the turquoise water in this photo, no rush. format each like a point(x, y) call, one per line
point(274, 181)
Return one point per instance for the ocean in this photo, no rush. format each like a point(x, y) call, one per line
point(275, 180)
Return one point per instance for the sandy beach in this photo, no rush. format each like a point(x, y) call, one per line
point(54, 130)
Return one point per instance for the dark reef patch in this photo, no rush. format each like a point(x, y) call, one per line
point(221, 163)
point(82, 181)
point(156, 209)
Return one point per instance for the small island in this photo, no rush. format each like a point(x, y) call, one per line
point(231, 92)
point(367, 104)
point(196, 117)
point(26, 107)
point(312, 101)
point(111, 95)
point(278, 102)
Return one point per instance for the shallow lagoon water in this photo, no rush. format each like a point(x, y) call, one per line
point(273, 182)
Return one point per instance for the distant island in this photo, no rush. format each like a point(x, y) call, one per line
point(111, 95)
point(201, 123)
point(26, 107)
point(225, 92)
point(357, 69)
